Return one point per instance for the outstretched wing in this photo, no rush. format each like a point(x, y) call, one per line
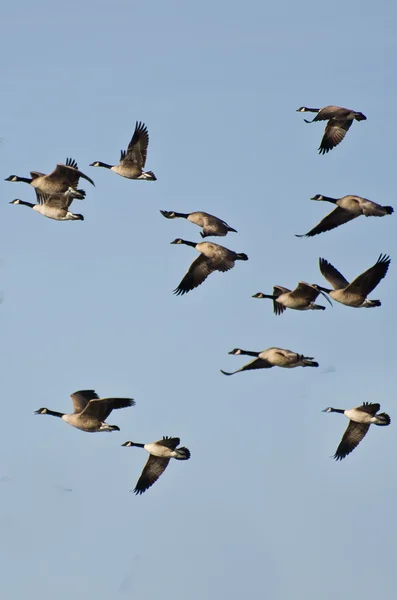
point(69, 173)
point(154, 467)
point(367, 281)
point(137, 148)
point(337, 217)
point(351, 439)
point(102, 407)
point(334, 133)
point(81, 398)
point(257, 363)
point(332, 275)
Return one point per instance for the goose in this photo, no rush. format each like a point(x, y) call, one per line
point(211, 225)
point(62, 178)
point(53, 206)
point(301, 298)
point(273, 357)
point(347, 209)
point(160, 454)
point(355, 293)
point(90, 411)
point(339, 122)
point(212, 258)
point(361, 418)
point(132, 160)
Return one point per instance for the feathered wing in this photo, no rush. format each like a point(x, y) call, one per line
point(81, 398)
point(137, 148)
point(367, 281)
point(257, 363)
point(60, 200)
point(169, 442)
point(351, 438)
point(332, 275)
point(334, 133)
point(101, 408)
point(69, 172)
point(154, 467)
point(199, 270)
point(279, 308)
point(337, 217)
point(369, 408)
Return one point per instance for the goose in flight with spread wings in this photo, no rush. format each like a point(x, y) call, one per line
point(212, 226)
point(161, 453)
point(355, 293)
point(133, 160)
point(273, 357)
point(90, 411)
point(212, 258)
point(339, 122)
point(62, 178)
point(53, 206)
point(361, 418)
point(301, 298)
point(347, 209)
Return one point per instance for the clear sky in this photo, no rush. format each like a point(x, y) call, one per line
point(260, 510)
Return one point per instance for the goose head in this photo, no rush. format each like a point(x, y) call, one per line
point(235, 351)
point(16, 201)
point(258, 295)
point(178, 241)
point(12, 178)
point(317, 197)
point(41, 411)
point(128, 444)
point(302, 109)
point(328, 409)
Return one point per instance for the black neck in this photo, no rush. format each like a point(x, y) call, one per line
point(25, 179)
point(328, 199)
point(192, 244)
point(338, 410)
point(181, 215)
point(249, 353)
point(138, 445)
point(327, 290)
point(26, 203)
point(105, 165)
point(53, 413)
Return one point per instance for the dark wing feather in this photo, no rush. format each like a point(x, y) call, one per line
point(257, 363)
point(169, 442)
point(367, 281)
point(332, 275)
point(61, 200)
point(154, 467)
point(137, 148)
point(337, 217)
point(334, 133)
point(81, 398)
point(351, 439)
point(69, 174)
point(101, 408)
point(369, 408)
point(198, 272)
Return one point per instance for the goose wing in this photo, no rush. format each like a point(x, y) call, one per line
point(100, 408)
point(199, 270)
point(278, 308)
point(68, 172)
point(337, 217)
point(351, 438)
point(331, 112)
point(257, 363)
point(369, 408)
point(81, 398)
point(306, 291)
point(62, 200)
point(137, 148)
point(334, 133)
point(367, 281)
point(169, 442)
point(154, 467)
point(332, 275)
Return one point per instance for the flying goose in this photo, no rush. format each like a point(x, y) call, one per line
point(90, 411)
point(354, 293)
point(160, 454)
point(132, 160)
point(212, 258)
point(53, 206)
point(60, 180)
point(347, 209)
point(273, 357)
point(339, 122)
point(211, 225)
point(301, 298)
point(361, 418)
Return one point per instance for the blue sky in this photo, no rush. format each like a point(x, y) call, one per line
point(260, 510)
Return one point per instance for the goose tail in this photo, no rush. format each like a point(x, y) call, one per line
point(182, 453)
point(382, 419)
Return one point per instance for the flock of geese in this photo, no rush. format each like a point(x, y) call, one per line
point(55, 194)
